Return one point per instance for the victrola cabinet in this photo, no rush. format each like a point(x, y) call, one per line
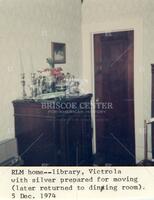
point(54, 132)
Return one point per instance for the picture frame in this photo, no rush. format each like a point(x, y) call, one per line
point(58, 52)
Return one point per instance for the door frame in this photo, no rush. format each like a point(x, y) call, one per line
point(140, 68)
point(127, 25)
point(152, 111)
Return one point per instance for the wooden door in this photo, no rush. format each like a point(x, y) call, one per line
point(114, 97)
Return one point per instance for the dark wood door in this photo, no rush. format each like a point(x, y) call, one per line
point(114, 96)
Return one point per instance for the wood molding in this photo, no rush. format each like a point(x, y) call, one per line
point(152, 68)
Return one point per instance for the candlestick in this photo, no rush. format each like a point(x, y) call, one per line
point(33, 85)
point(23, 83)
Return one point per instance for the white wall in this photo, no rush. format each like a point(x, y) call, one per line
point(116, 15)
point(29, 26)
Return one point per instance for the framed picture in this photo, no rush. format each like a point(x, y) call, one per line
point(58, 52)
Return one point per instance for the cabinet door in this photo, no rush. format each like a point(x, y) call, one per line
point(36, 140)
point(75, 140)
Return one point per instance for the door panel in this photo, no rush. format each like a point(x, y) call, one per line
point(113, 57)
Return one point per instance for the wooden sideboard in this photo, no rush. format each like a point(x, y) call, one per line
point(55, 132)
